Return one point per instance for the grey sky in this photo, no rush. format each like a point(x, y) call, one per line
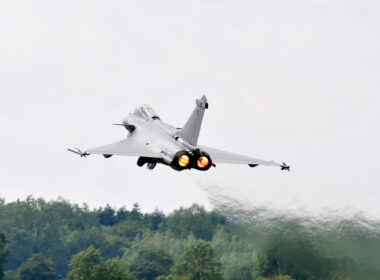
point(296, 81)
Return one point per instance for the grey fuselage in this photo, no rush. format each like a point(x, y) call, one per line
point(154, 141)
point(161, 137)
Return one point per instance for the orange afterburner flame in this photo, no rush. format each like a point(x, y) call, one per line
point(203, 162)
point(184, 160)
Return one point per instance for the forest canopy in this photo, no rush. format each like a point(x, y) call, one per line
point(60, 240)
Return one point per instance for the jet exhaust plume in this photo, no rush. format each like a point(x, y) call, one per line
point(340, 241)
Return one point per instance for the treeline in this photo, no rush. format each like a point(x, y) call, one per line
point(59, 240)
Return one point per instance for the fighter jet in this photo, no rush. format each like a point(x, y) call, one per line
point(154, 141)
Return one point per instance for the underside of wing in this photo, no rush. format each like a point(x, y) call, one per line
point(219, 156)
point(127, 147)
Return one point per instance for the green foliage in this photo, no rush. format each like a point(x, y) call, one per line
point(151, 263)
point(80, 240)
point(129, 229)
point(107, 216)
point(10, 275)
point(166, 241)
point(195, 220)
point(236, 254)
point(37, 267)
point(283, 277)
point(278, 277)
point(262, 268)
point(155, 219)
point(3, 253)
point(116, 270)
point(59, 230)
point(89, 265)
point(37, 226)
point(86, 264)
point(198, 262)
point(295, 257)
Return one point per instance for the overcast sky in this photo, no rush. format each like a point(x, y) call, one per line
point(293, 81)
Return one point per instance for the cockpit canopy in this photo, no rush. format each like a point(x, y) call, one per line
point(146, 112)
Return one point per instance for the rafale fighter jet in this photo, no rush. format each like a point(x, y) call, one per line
point(153, 141)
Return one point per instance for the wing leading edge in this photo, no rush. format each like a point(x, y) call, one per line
point(219, 156)
point(127, 147)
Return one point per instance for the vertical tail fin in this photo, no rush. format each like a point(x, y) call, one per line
point(190, 131)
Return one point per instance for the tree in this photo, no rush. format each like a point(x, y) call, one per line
point(283, 277)
point(278, 277)
point(155, 219)
point(148, 264)
point(136, 214)
point(37, 226)
point(115, 270)
point(198, 263)
point(262, 268)
point(10, 275)
point(107, 216)
point(3, 253)
point(37, 267)
point(89, 265)
point(292, 256)
point(194, 220)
